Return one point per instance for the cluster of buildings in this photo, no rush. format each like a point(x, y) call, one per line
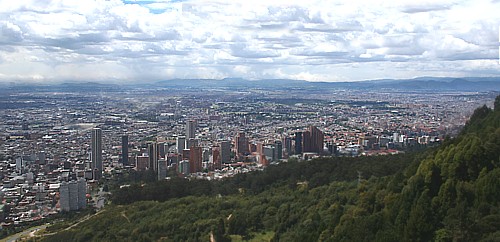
point(53, 151)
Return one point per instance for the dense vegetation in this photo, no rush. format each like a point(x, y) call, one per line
point(447, 194)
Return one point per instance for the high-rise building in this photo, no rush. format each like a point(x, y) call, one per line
point(225, 152)
point(313, 140)
point(216, 158)
point(191, 142)
point(241, 142)
point(195, 159)
point(180, 144)
point(96, 153)
point(162, 169)
point(72, 195)
point(288, 147)
point(153, 156)
point(184, 167)
point(332, 149)
point(125, 150)
point(64, 196)
point(278, 149)
point(142, 162)
point(190, 129)
point(298, 143)
point(82, 193)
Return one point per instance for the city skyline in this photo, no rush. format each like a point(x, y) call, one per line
point(134, 41)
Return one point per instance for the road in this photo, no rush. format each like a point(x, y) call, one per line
point(25, 233)
point(31, 231)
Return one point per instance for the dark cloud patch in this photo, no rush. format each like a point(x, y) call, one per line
point(468, 55)
point(10, 33)
point(419, 8)
point(72, 43)
point(241, 50)
point(406, 51)
point(339, 27)
point(274, 26)
point(158, 35)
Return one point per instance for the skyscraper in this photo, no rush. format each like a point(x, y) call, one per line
point(153, 156)
point(96, 153)
point(288, 147)
point(216, 159)
point(225, 152)
point(298, 143)
point(191, 142)
point(313, 140)
point(278, 149)
point(195, 159)
point(180, 144)
point(190, 129)
point(125, 150)
point(241, 145)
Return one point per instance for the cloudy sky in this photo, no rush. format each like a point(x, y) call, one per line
point(134, 40)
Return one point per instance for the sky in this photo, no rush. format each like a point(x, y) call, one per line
point(138, 40)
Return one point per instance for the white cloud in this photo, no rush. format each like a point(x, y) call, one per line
point(313, 40)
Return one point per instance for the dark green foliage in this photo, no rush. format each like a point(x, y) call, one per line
point(450, 193)
point(316, 173)
point(497, 103)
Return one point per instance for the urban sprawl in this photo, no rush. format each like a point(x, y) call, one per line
point(55, 146)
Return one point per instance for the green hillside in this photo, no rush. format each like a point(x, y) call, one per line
point(451, 193)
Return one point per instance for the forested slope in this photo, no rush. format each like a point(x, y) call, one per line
point(451, 193)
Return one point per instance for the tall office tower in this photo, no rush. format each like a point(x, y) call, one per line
point(313, 140)
point(180, 144)
point(206, 153)
point(195, 159)
point(216, 158)
point(162, 169)
point(73, 195)
point(298, 143)
point(260, 148)
point(141, 162)
point(191, 142)
point(241, 145)
point(225, 152)
point(288, 147)
point(125, 150)
point(161, 150)
point(190, 129)
point(332, 148)
point(64, 196)
point(184, 167)
point(82, 193)
point(268, 152)
point(96, 155)
point(153, 156)
point(278, 149)
point(306, 141)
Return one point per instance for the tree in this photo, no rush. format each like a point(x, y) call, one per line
point(497, 103)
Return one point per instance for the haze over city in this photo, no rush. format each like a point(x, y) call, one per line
point(135, 41)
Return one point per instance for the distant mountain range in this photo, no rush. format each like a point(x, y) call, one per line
point(417, 84)
point(429, 84)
